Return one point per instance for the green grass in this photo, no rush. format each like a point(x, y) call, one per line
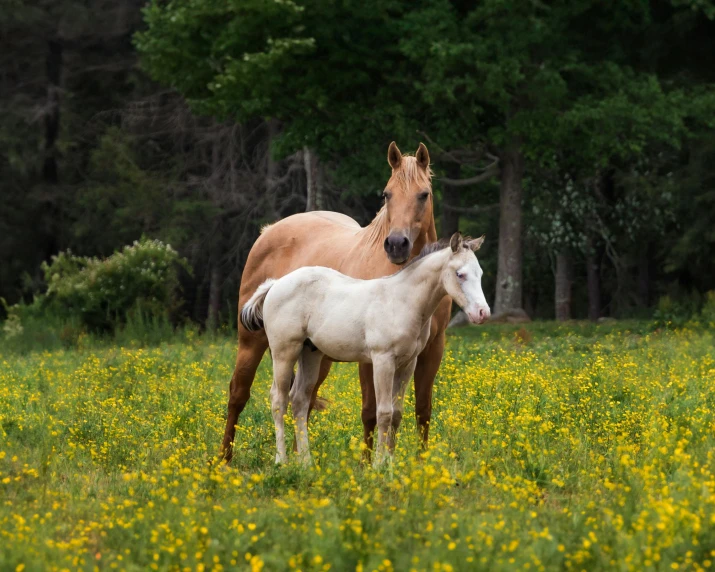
point(553, 447)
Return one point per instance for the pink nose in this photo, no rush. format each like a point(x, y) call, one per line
point(479, 316)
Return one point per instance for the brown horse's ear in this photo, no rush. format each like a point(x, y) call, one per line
point(394, 157)
point(422, 156)
point(476, 244)
point(455, 242)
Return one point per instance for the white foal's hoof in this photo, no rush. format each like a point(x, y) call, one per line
point(280, 460)
point(381, 460)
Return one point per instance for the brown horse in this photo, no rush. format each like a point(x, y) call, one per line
point(402, 227)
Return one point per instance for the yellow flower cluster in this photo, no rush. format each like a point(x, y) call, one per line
point(576, 452)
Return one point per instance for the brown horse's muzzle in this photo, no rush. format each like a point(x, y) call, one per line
point(398, 247)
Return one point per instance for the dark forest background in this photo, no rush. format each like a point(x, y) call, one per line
point(578, 135)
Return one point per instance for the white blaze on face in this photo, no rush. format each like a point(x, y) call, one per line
point(470, 280)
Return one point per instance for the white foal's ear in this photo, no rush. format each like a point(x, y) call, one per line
point(476, 243)
point(422, 156)
point(394, 157)
point(455, 243)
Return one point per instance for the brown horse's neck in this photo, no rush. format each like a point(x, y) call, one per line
point(426, 237)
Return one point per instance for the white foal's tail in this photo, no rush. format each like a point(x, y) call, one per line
point(252, 311)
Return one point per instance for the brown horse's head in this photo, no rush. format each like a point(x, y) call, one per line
point(408, 201)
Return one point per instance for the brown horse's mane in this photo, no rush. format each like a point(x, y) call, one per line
point(405, 175)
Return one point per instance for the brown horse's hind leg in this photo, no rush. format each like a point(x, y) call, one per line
point(427, 366)
point(369, 406)
point(315, 402)
point(251, 347)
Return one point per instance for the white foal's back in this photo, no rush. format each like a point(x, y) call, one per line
point(322, 305)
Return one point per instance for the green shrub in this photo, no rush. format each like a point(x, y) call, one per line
point(694, 310)
point(707, 313)
point(12, 327)
point(670, 313)
point(100, 293)
point(30, 326)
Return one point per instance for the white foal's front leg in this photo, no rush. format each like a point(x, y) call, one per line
point(402, 377)
point(300, 394)
point(282, 372)
point(383, 375)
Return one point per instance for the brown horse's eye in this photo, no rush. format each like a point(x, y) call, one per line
point(423, 196)
point(386, 195)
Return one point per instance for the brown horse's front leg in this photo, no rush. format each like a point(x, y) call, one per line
point(428, 363)
point(369, 406)
point(251, 347)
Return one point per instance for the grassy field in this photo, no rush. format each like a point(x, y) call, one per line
point(570, 447)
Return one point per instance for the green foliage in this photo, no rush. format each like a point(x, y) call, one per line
point(675, 312)
point(128, 191)
point(33, 327)
point(707, 314)
point(584, 90)
point(142, 278)
point(332, 72)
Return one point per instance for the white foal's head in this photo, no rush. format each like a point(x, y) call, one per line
point(462, 278)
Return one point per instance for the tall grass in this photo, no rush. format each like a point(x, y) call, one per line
point(582, 447)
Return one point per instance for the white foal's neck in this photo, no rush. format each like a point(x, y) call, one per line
point(420, 283)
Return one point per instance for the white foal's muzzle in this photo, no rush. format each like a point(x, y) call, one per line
point(478, 314)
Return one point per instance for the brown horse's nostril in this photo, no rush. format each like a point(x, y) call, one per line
point(397, 247)
point(396, 242)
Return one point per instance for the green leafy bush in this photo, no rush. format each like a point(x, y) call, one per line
point(672, 313)
point(102, 293)
point(694, 311)
point(707, 313)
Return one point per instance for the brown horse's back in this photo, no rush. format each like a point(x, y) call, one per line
point(319, 238)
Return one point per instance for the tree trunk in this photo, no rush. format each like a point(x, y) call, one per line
point(314, 181)
point(450, 216)
point(214, 296)
point(50, 170)
point(562, 288)
point(272, 170)
point(53, 63)
point(319, 184)
point(593, 278)
point(644, 276)
point(509, 268)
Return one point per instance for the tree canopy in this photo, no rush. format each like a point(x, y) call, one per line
point(577, 132)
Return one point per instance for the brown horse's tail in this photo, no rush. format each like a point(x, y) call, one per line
point(252, 311)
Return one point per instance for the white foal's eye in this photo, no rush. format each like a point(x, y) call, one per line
point(461, 275)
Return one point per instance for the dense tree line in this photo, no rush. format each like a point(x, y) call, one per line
point(577, 134)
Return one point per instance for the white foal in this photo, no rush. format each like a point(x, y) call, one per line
point(316, 311)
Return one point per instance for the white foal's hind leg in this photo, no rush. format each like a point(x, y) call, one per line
point(383, 376)
point(402, 377)
point(283, 362)
point(300, 394)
